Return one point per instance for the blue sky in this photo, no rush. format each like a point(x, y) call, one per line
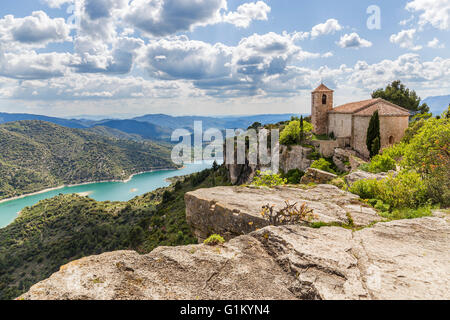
point(71, 57)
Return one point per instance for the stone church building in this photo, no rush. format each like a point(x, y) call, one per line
point(349, 122)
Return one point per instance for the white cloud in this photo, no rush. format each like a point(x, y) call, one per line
point(181, 58)
point(98, 86)
point(36, 30)
point(248, 12)
point(57, 3)
point(329, 27)
point(166, 17)
point(436, 44)
point(405, 39)
point(434, 12)
point(31, 65)
point(353, 40)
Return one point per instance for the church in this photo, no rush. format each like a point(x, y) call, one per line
point(349, 123)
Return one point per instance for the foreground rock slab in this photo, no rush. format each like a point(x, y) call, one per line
point(406, 259)
point(234, 211)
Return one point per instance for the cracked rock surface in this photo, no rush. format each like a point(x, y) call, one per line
point(234, 211)
point(407, 259)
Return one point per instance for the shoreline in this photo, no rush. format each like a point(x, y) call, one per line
point(82, 184)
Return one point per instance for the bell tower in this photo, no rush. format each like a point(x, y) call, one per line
point(321, 103)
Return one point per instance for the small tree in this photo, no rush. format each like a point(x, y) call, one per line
point(397, 93)
point(373, 135)
point(302, 130)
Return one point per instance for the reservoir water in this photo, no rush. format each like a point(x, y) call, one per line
point(112, 191)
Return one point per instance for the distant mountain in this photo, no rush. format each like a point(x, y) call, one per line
point(144, 129)
point(114, 133)
point(35, 155)
point(437, 104)
point(11, 117)
point(158, 127)
point(225, 122)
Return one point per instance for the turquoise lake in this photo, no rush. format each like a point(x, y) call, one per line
point(112, 191)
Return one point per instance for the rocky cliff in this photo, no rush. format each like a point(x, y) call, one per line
point(234, 211)
point(405, 259)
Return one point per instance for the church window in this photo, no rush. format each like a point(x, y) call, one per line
point(391, 140)
point(324, 99)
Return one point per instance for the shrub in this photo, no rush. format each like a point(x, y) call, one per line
point(214, 240)
point(429, 154)
point(289, 215)
point(268, 179)
point(294, 176)
point(408, 213)
point(406, 190)
point(291, 133)
point(323, 164)
point(381, 163)
point(366, 189)
point(339, 182)
point(396, 151)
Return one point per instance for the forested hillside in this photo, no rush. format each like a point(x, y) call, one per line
point(65, 228)
point(35, 155)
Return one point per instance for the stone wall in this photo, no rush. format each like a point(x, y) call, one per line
point(340, 124)
point(360, 126)
point(394, 127)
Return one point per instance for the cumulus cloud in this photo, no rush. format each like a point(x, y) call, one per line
point(166, 17)
point(353, 40)
point(36, 30)
point(329, 27)
point(405, 39)
point(31, 65)
point(434, 12)
point(98, 57)
point(181, 58)
point(248, 12)
point(240, 69)
point(98, 86)
point(435, 44)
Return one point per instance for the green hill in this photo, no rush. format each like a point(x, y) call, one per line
point(67, 227)
point(35, 155)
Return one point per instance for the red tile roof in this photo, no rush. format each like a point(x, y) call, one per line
point(322, 88)
point(368, 107)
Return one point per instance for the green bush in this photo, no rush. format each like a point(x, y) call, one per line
point(291, 133)
point(294, 176)
point(268, 179)
point(428, 152)
point(406, 190)
point(324, 165)
point(366, 189)
point(214, 240)
point(381, 163)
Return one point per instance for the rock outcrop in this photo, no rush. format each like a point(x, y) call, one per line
point(295, 157)
point(317, 176)
point(363, 175)
point(406, 259)
point(234, 211)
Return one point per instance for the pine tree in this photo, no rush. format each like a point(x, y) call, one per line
point(373, 141)
point(302, 130)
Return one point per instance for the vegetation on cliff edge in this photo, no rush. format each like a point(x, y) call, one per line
point(68, 227)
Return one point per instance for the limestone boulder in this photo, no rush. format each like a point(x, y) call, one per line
point(363, 175)
point(233, 211)
point(406, 259)
point(317, 176)
point(295, 157)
